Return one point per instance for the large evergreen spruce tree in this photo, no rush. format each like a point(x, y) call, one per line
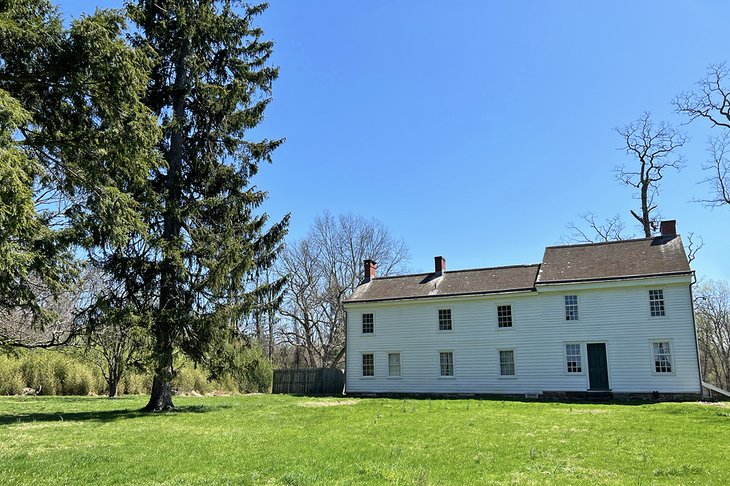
point(206, 239)
point(76, 143)
point(133, 152)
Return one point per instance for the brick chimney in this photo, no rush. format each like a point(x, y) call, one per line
point(370, 270)
point(439, 265)
point(668, 228)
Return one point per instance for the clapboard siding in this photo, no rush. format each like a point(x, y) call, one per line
point(616, 315)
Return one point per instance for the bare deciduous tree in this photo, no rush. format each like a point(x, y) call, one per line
point(592, 231)
point(654, 147)
point(323, 268)
point(19, 326)
point(712, 312)
point(711, 102)
point(718, 168)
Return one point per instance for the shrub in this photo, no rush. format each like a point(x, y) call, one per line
point(135, 383)
point(53, 372)
point(38, 372)
point(252, 371)
point(11, 376)
point(78, 379)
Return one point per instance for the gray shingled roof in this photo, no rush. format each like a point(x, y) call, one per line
point(663, 255)
point(618, 259)
point(458, 282)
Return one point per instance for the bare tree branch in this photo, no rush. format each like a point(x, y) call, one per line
point(592, 231)
point(694, 245)
point(710, 101)
point(654, 149)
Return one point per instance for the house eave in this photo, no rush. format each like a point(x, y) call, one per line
point(441, 296)
point(625, 278)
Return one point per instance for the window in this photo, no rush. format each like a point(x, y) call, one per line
point(445, 320)
point(504, 316)
point(368, 323)
point(447, 363)
point(656, 302)
point(662, 357)
point(572, 358)
point(571, 307)
point(368, 364)
point(393, 364)
point(507, 363)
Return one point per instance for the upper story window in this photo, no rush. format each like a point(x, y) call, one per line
point(571, 307)
point(368, 323)
point(445, 320)
point(447, 363)
point(507, 362)
point(662, 357)
point(504, 316)
point(573, 360)
point(393, 364)
point(656, 302)
point(368, 364)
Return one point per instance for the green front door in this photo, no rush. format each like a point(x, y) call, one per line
point(597, 366)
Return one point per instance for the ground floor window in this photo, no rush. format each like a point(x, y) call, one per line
point(507, 362)
point(447, 363)
point(662, 357)
point(393, 364)
point(572, 358)
point(368, 364)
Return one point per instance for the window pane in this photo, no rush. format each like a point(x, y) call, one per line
point(573, 358)
point(507, 363)
point(394, 364)
point(504, 316)
point(662, 357)
point(447, 364)
point(444, 319)
point(571, 307)
point(656, 302)
point(368, 365)
point(368, 323)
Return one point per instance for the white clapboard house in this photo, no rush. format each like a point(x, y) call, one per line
point(606, 318)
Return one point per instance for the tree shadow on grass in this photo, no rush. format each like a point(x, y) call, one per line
point(101, 415)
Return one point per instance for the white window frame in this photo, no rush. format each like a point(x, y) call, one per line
point(362, 365)
point(511, 313)
point(400, 365)
point(649, 301)
point(438, 319)
point(453, 367)
point(653, 357)
point(581, 350)
point(362, 317)
point(577, 308)
point(514, 363)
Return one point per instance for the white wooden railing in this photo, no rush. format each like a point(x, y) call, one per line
point(716, 389)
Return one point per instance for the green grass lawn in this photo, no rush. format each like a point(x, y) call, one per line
point(268, 439)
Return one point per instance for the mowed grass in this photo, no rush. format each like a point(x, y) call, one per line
point(267, 439)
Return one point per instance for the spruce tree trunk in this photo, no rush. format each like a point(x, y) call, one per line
point(161, 395)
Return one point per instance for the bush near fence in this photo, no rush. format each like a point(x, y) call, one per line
point(52, 372)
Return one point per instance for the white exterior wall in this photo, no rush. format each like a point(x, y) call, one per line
point(615, 313)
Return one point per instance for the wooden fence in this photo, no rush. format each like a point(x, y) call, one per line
point(309, 381)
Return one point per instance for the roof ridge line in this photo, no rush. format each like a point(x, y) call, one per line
point(526, 265)
point(610, 242)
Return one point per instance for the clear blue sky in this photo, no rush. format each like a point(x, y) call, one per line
point(477, 130)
